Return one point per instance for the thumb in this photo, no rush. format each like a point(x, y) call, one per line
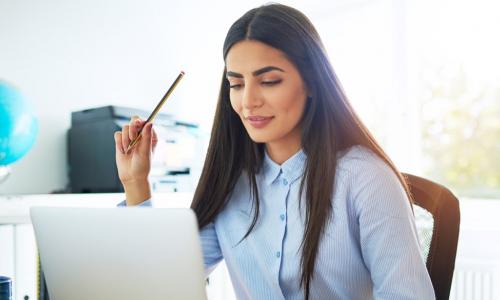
point(145, 145)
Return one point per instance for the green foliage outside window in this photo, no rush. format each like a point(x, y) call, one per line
point(461, 132)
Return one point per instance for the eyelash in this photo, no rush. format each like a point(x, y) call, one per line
point(266, 83)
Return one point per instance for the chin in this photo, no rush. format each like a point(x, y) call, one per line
point(259, 137)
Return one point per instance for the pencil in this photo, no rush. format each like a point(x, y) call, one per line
point(155, 111)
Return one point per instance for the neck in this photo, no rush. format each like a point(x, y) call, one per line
point(279, 152)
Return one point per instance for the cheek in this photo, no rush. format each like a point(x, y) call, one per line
point(235, 104)
point(292, 103)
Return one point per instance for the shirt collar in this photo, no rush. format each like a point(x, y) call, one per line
point(291, 169)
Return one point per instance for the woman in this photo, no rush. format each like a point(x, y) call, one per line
point(295, 195)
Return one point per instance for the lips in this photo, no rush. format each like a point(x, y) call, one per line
point(259, 121)
point(258, 118)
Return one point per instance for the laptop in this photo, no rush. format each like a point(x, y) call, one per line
point(119, 253)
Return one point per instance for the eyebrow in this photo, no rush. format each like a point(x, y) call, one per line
point(256, 72)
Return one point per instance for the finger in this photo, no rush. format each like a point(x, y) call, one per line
point(125, 137)
point(154, 140)
point(135, 127)
point(118, 142)
point(145, 145)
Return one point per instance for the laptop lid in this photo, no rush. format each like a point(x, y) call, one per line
point(119, 253)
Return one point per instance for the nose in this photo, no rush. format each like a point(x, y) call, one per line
point(251, 97)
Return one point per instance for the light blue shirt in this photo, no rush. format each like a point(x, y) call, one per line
point(370, 248)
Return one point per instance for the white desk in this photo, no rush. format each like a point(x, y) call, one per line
point(15, 209)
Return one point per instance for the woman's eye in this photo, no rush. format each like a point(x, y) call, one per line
point(271, 82)
point(234, 86)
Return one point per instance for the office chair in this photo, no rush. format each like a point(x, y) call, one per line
point(439, 241)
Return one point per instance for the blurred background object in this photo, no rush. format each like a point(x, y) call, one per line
point(18, 127)
point(5, 288)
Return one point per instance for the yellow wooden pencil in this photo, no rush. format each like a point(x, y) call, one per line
point(155, 111)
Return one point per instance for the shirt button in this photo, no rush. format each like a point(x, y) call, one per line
point(278, 254)
point(285, 182)
point(282, 217)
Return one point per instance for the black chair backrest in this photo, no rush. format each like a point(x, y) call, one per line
point(444, 207)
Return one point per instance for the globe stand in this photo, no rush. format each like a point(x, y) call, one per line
point(4, 173)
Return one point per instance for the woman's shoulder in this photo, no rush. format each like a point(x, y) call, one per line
point(358, 160)
point(359, 167)
point(371, 181)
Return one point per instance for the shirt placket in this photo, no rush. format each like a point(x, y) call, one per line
point(284, 186)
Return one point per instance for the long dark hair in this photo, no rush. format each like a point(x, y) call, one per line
point(329, 125)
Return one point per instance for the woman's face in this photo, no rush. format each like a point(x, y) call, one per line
point(267, 92)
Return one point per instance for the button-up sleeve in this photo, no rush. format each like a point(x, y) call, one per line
point(388, 237)
point(146, 203)
point(212, 254)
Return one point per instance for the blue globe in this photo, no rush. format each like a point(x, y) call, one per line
point(18, 125)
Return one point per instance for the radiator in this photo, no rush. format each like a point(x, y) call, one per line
point(476, 280)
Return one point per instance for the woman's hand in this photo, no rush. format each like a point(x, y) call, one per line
point(134, 166)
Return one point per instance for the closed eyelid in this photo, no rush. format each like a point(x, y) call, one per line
point(233, 82)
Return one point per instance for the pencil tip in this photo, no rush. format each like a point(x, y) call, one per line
point(182, 72)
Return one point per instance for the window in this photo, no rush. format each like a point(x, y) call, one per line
point(423, 75)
